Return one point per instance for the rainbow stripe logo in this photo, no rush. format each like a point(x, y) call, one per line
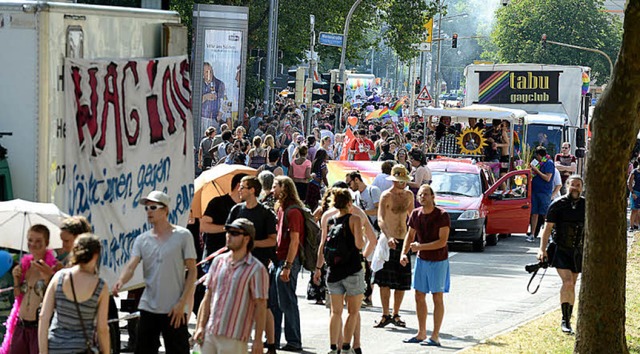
point(492, 86)
point(447, 202)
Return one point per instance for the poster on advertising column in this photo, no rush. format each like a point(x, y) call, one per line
point(129, 132)
point(221, 77)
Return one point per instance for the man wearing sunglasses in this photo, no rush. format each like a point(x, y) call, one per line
point(165, 251)
point(236, 297)
point(565, 163)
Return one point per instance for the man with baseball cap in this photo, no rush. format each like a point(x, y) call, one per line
point(236, 297)
point(395, 206)
point(165, 251)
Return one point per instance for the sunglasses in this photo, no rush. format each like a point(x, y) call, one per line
point(153, 207)
point(236, 233)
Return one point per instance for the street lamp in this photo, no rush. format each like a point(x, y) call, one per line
point(344, 52)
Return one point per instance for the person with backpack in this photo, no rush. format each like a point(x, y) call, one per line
point(340, 249)
point(284, 273)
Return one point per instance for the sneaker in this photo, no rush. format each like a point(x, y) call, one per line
point(530, 239)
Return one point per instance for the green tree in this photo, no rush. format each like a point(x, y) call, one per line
point(520, 26)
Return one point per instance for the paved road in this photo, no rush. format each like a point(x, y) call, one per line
point(488, 296)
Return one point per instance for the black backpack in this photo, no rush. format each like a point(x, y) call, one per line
point(338, 247)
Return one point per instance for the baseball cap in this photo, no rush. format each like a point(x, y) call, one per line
point(158, 197)
point(300, 138)
point(243, 224)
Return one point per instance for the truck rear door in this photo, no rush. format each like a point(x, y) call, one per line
point(508, 203)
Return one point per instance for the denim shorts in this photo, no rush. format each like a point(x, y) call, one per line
point(350, 286)
point(634, 203)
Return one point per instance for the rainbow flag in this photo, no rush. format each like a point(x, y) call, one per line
point(492, 86)
point(337, 170)
point(407, 121)
point(384, 111)
point(447, 202)
point(397, 105)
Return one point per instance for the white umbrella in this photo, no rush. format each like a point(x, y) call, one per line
point(16, 216)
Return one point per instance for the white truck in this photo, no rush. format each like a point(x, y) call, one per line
point(36, 37)
point(553, 95)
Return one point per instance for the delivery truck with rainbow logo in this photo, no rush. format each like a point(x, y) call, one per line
point(554, 96)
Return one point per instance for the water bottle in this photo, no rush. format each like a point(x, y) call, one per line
point(196, 349)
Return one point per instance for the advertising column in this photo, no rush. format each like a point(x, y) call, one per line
point(219, 65)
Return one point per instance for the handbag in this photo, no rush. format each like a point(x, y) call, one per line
point(91, 349)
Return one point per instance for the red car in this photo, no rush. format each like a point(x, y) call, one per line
point(480, 207)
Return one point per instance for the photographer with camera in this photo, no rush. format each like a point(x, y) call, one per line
point(565, 222)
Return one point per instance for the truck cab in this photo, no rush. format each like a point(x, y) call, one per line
point(543, 128)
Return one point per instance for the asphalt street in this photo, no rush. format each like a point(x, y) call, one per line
point(488, 296)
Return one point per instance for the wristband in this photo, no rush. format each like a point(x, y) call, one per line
point(287, 265)
point(318, 268)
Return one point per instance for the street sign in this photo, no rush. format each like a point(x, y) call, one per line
point(422, 47)
point(429, 27)
point(332, 39)
point(424, 94)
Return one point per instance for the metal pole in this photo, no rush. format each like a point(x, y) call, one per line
point(412, 81)
point(275, 45)
point(312, 70)
point(589, 50)
point(270, 44)
point(344, 52)
point(436, 91)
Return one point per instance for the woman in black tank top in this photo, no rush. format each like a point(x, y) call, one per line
point(345, 276)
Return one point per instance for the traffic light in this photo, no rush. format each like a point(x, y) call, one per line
point(295, 83)
point(454, 41)
point(544, 41)
point(338, 93)
point(322, 89)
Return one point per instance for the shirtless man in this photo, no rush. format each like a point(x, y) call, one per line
point(395, 206)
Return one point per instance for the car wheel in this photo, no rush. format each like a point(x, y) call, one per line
point(478, 245)
point(492, 239)
point(504, 235)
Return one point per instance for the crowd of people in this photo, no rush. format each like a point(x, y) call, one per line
point(249, 242)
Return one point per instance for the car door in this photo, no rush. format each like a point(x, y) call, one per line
point(508, 203)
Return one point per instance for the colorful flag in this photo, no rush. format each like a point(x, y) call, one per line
point(406, 124)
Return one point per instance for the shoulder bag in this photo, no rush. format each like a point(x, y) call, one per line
point(91, 349)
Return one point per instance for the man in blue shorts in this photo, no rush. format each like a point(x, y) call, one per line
point(542, 170)
point(428, 234)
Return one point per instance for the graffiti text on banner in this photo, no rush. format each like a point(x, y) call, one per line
point(132, 134)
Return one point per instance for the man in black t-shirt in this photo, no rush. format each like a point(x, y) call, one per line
point(263, 219)
point(215, 217)
point(565, 221)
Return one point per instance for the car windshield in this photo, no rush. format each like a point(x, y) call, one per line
point(454, 183)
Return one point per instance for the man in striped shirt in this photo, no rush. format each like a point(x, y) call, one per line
point(236, 296)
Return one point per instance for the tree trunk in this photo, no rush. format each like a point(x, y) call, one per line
point(601, 313)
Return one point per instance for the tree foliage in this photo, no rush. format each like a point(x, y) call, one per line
point(520, 26)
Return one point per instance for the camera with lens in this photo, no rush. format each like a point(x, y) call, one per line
point(534, 267)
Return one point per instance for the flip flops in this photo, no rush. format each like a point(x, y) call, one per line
point(430, 343)
point(412, 340)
